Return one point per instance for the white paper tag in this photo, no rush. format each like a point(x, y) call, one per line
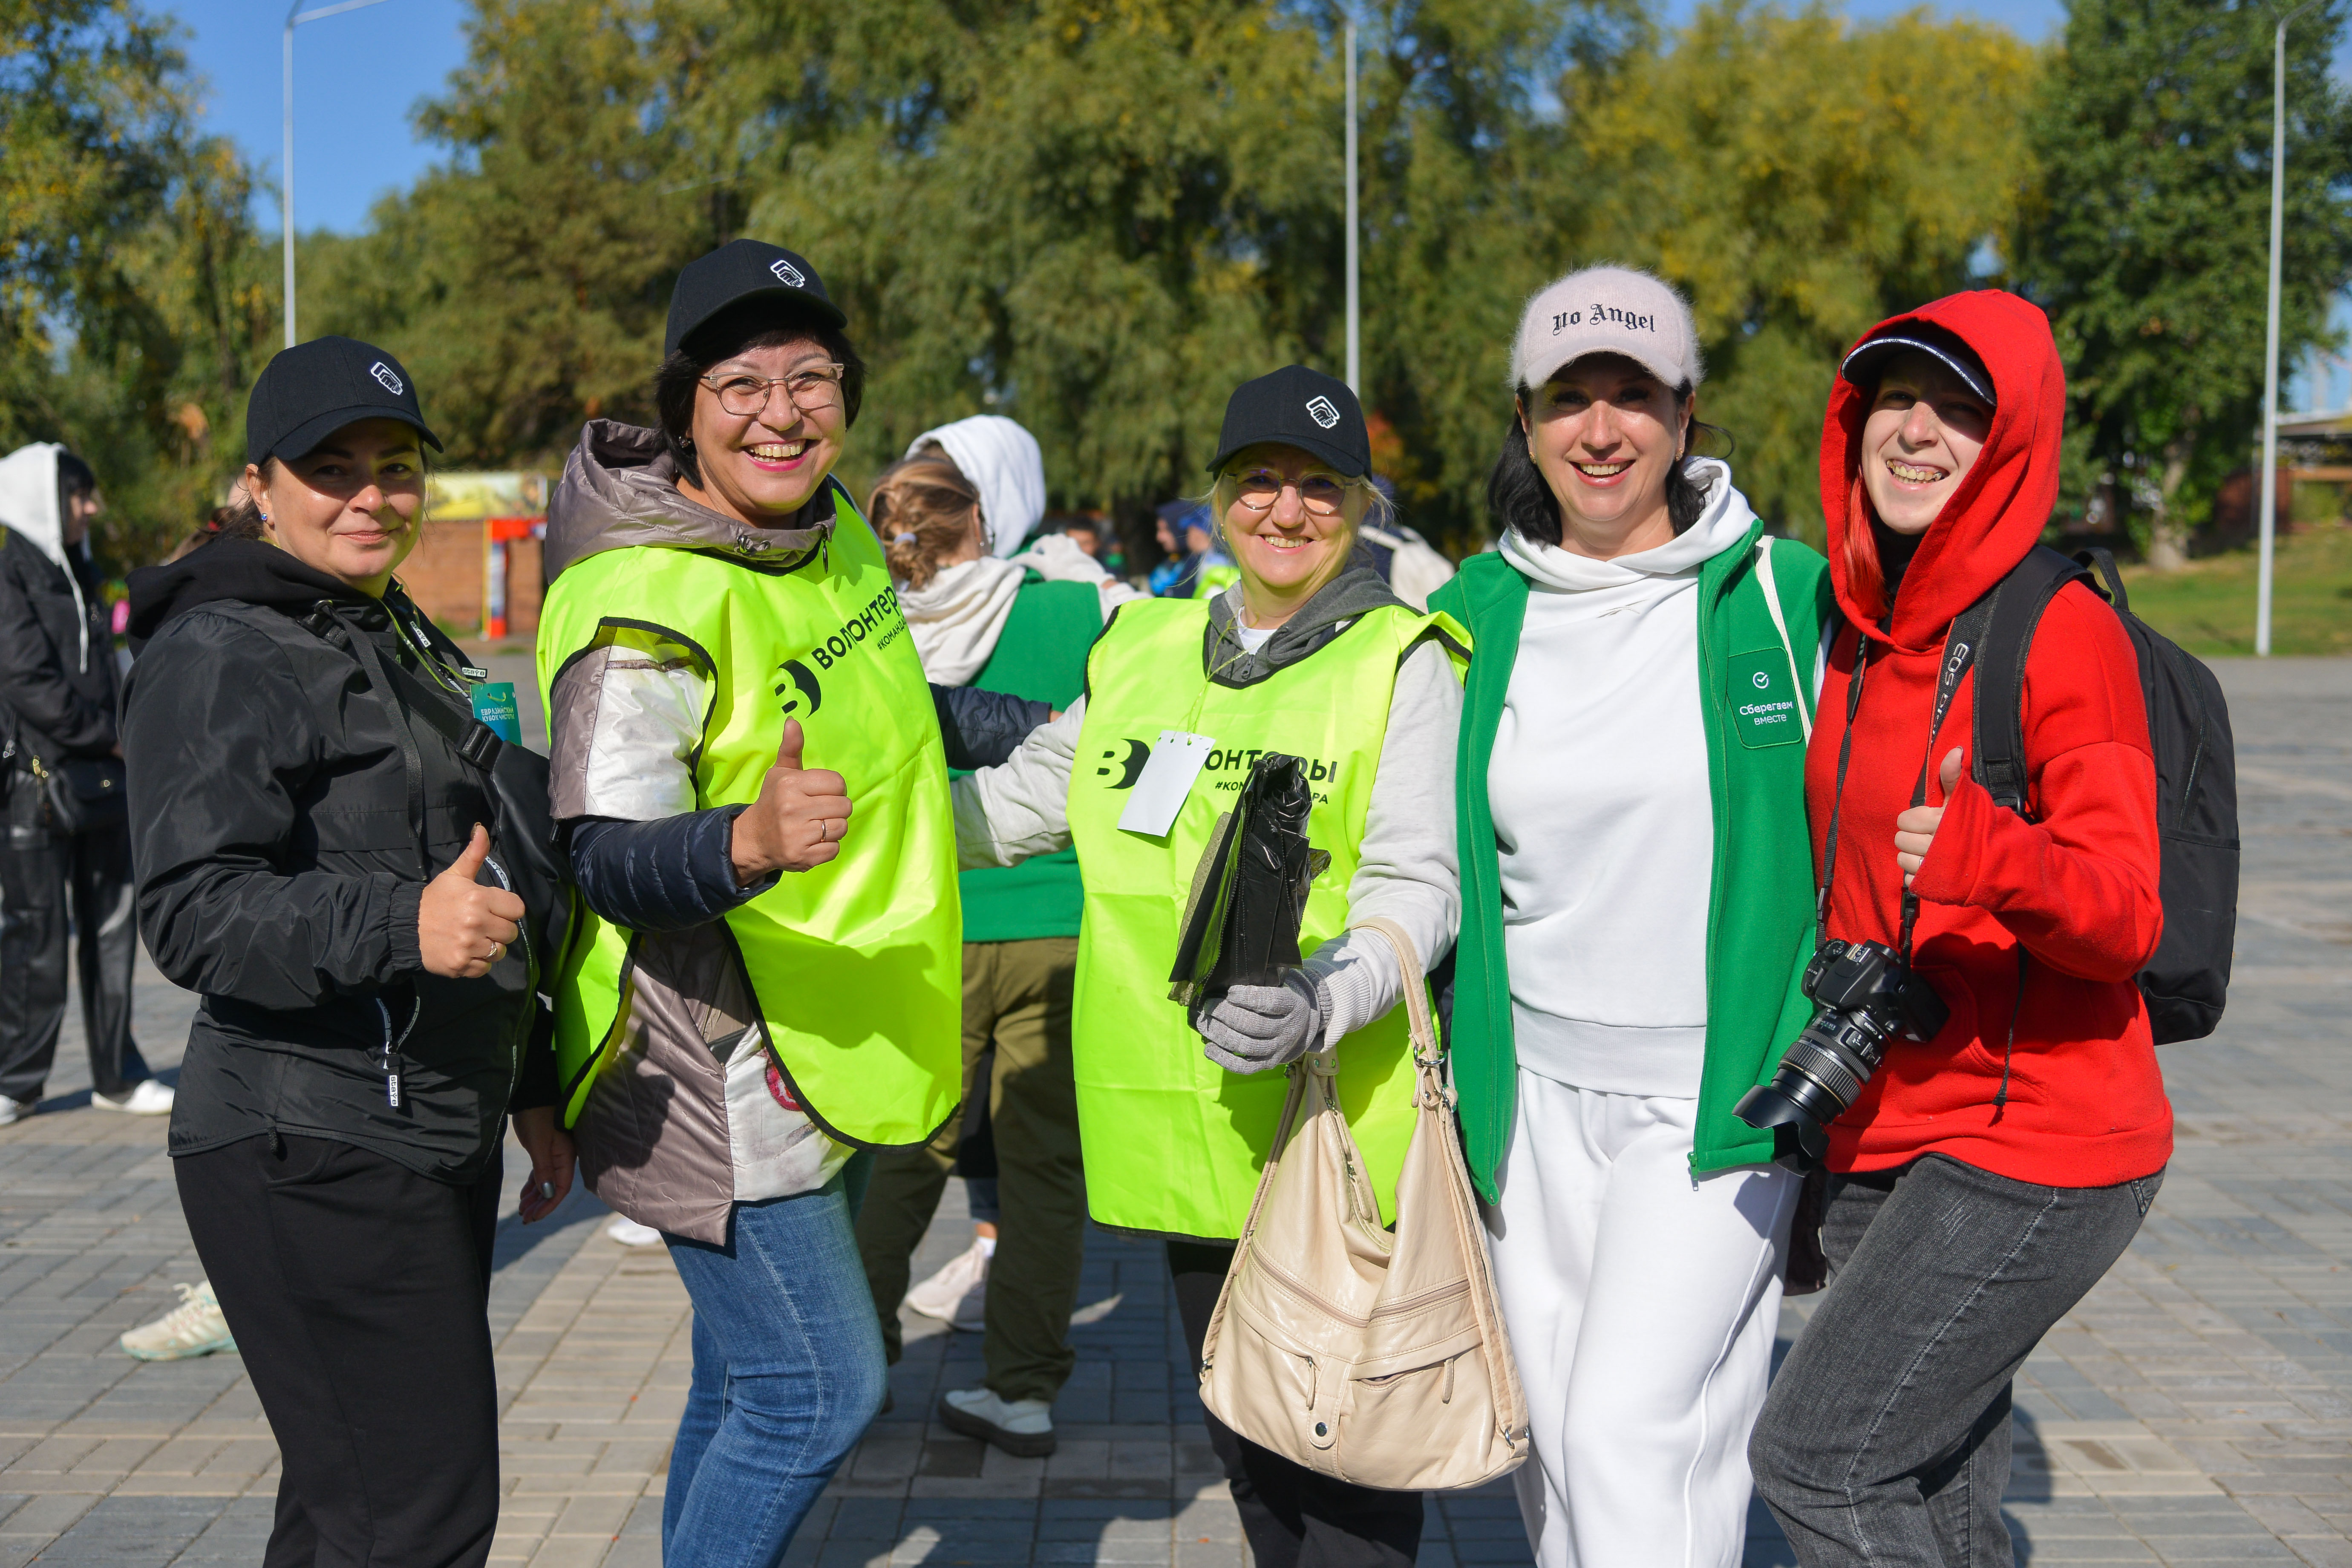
point(1159, 794)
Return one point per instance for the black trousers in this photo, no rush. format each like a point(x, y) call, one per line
point(358, 1292)
point(1294, 1518)
point(44, 877)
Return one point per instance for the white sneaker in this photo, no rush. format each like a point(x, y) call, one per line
point(958, 1294)
point(629, 1233)
point(193, 1328)
point(149, 1097)
point(14, 1110)
point(1022, 1427)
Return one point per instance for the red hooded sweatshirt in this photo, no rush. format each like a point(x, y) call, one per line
point(2075, 887)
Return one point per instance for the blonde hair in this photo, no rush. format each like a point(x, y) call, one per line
point(925, 510)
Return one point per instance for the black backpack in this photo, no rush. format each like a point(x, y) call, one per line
point(2186, 981)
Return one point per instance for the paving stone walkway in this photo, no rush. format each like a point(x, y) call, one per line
point(2196, 1409)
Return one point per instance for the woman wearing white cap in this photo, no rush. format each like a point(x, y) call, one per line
point(1637, 913)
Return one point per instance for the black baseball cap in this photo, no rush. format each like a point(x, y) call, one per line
point(1868, 362)
point(310, 391)
point(744, 270)
point(1298, 407)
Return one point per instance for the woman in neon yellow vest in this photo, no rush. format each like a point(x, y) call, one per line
point(765, 980)
point(1308, 656)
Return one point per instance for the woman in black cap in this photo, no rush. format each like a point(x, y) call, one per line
point(766, 983)
point(1305, 655)
point(312, 860)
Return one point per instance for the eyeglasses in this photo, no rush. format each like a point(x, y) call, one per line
point(1321, 493)
point(812, 389)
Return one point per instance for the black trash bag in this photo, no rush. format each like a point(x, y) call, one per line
point(1249, 892)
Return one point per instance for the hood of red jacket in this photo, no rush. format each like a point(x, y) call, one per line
point(2005, 499)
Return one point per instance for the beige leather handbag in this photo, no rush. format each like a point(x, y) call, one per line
point(1377, 1357)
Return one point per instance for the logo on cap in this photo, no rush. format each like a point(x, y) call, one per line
point(1322, 412)
point(789, 274)
point(384, 374)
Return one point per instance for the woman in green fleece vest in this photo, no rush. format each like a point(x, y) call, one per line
point(1637, 913)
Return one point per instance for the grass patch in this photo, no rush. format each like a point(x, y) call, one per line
point(2209, 607)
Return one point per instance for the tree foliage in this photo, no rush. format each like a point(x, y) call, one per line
point(132, 293)
point(2148, 239)
point(1099, 215)
point(1801, 178)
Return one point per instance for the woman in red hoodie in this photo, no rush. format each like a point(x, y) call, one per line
point(1983, 1181)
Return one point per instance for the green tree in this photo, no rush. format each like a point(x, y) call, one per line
point(2148, 239)
point(129, 297)
point(1787, 170)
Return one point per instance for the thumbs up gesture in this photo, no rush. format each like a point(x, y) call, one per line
point(1914, 830)
point(797, 823)
point(462, 927)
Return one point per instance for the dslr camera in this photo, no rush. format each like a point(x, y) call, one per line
point(1865, 994)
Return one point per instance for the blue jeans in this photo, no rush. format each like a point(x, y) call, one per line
point(787, 1373)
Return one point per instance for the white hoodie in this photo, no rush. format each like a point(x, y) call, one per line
point(1603, 814)
point(28, 509)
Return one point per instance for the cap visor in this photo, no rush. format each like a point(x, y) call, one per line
point(1860, 367)
point(1666, 375)
point(1349, 467)
point(304, 437)
point(816, 305)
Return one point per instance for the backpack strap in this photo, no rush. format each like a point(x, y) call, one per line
point(2012, 610)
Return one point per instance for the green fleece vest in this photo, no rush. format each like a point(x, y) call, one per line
point(856, 964)
point(1172, 1141)
point(1040, 656)
point(1759, 921)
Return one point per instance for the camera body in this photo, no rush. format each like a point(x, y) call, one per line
point(1864, 995)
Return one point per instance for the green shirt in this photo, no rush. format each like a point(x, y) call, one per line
point(1040, 656)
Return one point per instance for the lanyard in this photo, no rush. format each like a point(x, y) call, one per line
point(1960, 653)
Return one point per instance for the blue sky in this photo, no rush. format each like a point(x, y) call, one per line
point(357, 77)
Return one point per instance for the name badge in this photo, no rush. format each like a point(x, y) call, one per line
point(494, 705)
point(1763, 699)
point(1166, 779)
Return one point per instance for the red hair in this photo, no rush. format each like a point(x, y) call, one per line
point(1866, 579)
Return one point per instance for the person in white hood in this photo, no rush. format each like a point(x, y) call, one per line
point(1002, 625)
point(958, 610)
point(1636, 918)
point(69, 847)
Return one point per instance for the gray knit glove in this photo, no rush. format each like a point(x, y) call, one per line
point(1250, 1028)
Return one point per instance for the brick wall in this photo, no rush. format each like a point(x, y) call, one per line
point(444, 574)
point(526, 586)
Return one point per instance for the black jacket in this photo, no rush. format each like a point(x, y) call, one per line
point(58, 675)
point(279, 871)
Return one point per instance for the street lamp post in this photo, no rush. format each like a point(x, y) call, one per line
point(295, 19)
point(1355, 342)
point(2269, 344)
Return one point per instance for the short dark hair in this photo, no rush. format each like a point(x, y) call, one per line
point(75, 478)
point(1519, 497)
point(752, 324)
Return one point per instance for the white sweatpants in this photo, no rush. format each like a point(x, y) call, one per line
point(1641, 1303)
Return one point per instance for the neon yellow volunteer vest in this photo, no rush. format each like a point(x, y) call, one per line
point(858, 964)
point(1172, 1141)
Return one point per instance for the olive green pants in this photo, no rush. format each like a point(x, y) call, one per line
point(1016, 997)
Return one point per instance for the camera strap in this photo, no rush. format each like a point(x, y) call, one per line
point(1960, 646)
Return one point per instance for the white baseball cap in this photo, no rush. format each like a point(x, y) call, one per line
point(1611, 310)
